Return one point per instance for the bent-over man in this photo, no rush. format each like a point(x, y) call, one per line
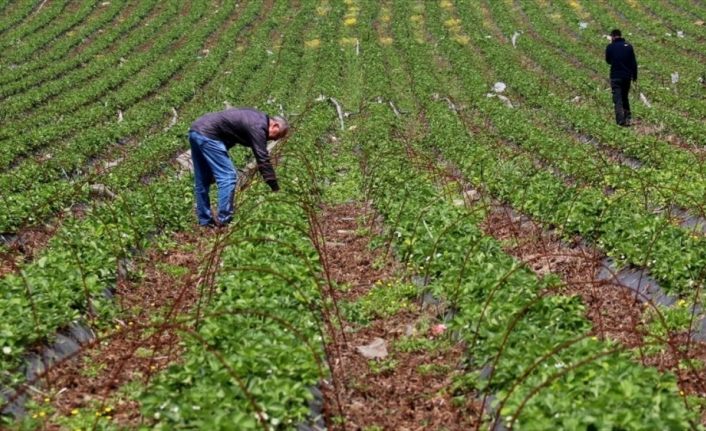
point(211, 136)
point(623, 69)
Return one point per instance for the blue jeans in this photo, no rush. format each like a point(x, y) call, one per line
point(212, 164)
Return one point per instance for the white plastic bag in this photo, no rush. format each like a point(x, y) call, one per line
point(514, 39)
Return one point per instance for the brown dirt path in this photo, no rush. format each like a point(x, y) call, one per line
point(144, 340)
point(408, 390)
point(614, 310)
point(24, 245)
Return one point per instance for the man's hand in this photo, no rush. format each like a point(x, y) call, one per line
point(273, 185)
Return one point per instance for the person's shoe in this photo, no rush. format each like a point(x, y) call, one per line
point(224, 223)
point(209, 226)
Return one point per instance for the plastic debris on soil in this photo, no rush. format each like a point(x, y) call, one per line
point(185, 163)
point(377, 349)
point(315, 422)
point(499, 87)
point(438, 329)
point(636, 279)
point(514, 38)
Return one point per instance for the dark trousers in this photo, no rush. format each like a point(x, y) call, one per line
point(621, 88)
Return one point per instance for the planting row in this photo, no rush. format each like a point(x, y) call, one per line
point(613, 221)
point(564, 378)
point(570, 152)
point(277, 86)
point(105, 250)
point(27, 75)
point(65, 173)
point(266, 326)
point(64, 32)
point(104, 112)
point(539, 385)
point(69, 84)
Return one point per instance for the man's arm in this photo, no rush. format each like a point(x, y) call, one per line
point(262, 157)
point(633, 64)
point(607, 55)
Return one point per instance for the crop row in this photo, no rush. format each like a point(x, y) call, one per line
point(138, 119)
point(21, 30)
point(86, 102)
point(589, 382)
point(144, 82)
point(601, 17)
point(551, 53)
point(68, 280)
point(156, 150)
point(72, 15)
point(670, 99)
point(656, 69)
point(554, 110)
point(242, 82)
point(10, 18)
point(267, 325)
point(551, 145)
point(101, 239)
point(34, 72)
point(615, 222)
point(674, 163)
point(261, 337)
point(153, 149)
point(500, 303)
point(80, 66)
point(563, 378)
point(662, 18)
point(55, 46)
point(690, 10)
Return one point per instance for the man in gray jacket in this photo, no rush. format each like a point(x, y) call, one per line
point(211, 136)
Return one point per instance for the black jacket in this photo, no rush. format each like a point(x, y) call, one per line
point(621, 57)
point(247, 127)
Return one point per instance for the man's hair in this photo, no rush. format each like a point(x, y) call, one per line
point(283, 125)
point(616, 33)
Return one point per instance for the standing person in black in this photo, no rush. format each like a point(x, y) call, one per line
point(623, 69)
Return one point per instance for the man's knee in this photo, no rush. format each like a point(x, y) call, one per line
point(226, 181)
point(200, 187)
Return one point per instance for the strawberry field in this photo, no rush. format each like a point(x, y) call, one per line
point(464, 239)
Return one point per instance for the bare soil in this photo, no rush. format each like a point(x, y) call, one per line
point(615, 310)
point(143, 342)
point(392, 394)
point(28, 242)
